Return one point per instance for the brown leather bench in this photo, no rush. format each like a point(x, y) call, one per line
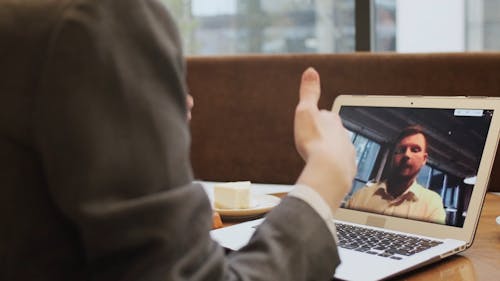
point(242, 126)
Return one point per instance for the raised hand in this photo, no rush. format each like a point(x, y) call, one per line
point(323, 143)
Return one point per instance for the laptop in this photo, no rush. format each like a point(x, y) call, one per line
point(462, 135)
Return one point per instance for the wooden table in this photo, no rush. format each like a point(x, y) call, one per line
point(480, 262)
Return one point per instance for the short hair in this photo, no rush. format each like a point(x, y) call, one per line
point(410, 131)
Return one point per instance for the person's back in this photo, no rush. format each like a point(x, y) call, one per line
point(94, 157)
point(35, 240)
point(77, 135)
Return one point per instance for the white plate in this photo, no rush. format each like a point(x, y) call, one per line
point(261, 204)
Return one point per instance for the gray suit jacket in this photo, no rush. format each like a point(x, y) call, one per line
point(94, 157)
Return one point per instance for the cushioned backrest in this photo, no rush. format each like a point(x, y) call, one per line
point(242, 127)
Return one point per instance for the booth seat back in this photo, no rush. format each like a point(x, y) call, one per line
point(242, 126)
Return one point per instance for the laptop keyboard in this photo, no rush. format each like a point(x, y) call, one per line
point(380, 243)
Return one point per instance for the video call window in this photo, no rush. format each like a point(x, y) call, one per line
point(455, 143)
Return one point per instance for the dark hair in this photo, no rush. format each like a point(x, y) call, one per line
point(410, 131)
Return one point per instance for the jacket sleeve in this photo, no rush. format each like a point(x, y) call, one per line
point(111, 129)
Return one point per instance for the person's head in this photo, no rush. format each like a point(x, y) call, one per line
point(409, 153)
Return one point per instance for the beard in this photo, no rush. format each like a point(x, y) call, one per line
point(404, 171)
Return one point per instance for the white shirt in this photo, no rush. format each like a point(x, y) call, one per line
point(312, 197)
point(417, 202)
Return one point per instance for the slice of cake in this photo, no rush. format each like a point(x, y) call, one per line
point(232, 195)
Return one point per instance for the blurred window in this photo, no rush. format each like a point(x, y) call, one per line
point(258, 26)
point(448, 25)
point(367, 152)
point(222, 27)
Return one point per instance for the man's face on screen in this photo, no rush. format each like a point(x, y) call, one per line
point(409, 156)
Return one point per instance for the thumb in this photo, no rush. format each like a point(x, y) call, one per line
point(310, 87)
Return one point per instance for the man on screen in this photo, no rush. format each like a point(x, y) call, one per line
point(400, 194)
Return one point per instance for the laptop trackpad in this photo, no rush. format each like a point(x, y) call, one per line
point(375, 221)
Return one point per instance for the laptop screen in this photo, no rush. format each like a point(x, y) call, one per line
point(415, 163)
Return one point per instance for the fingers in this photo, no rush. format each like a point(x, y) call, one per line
point(189, 101)
point(190, 104)
point(310, 88)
